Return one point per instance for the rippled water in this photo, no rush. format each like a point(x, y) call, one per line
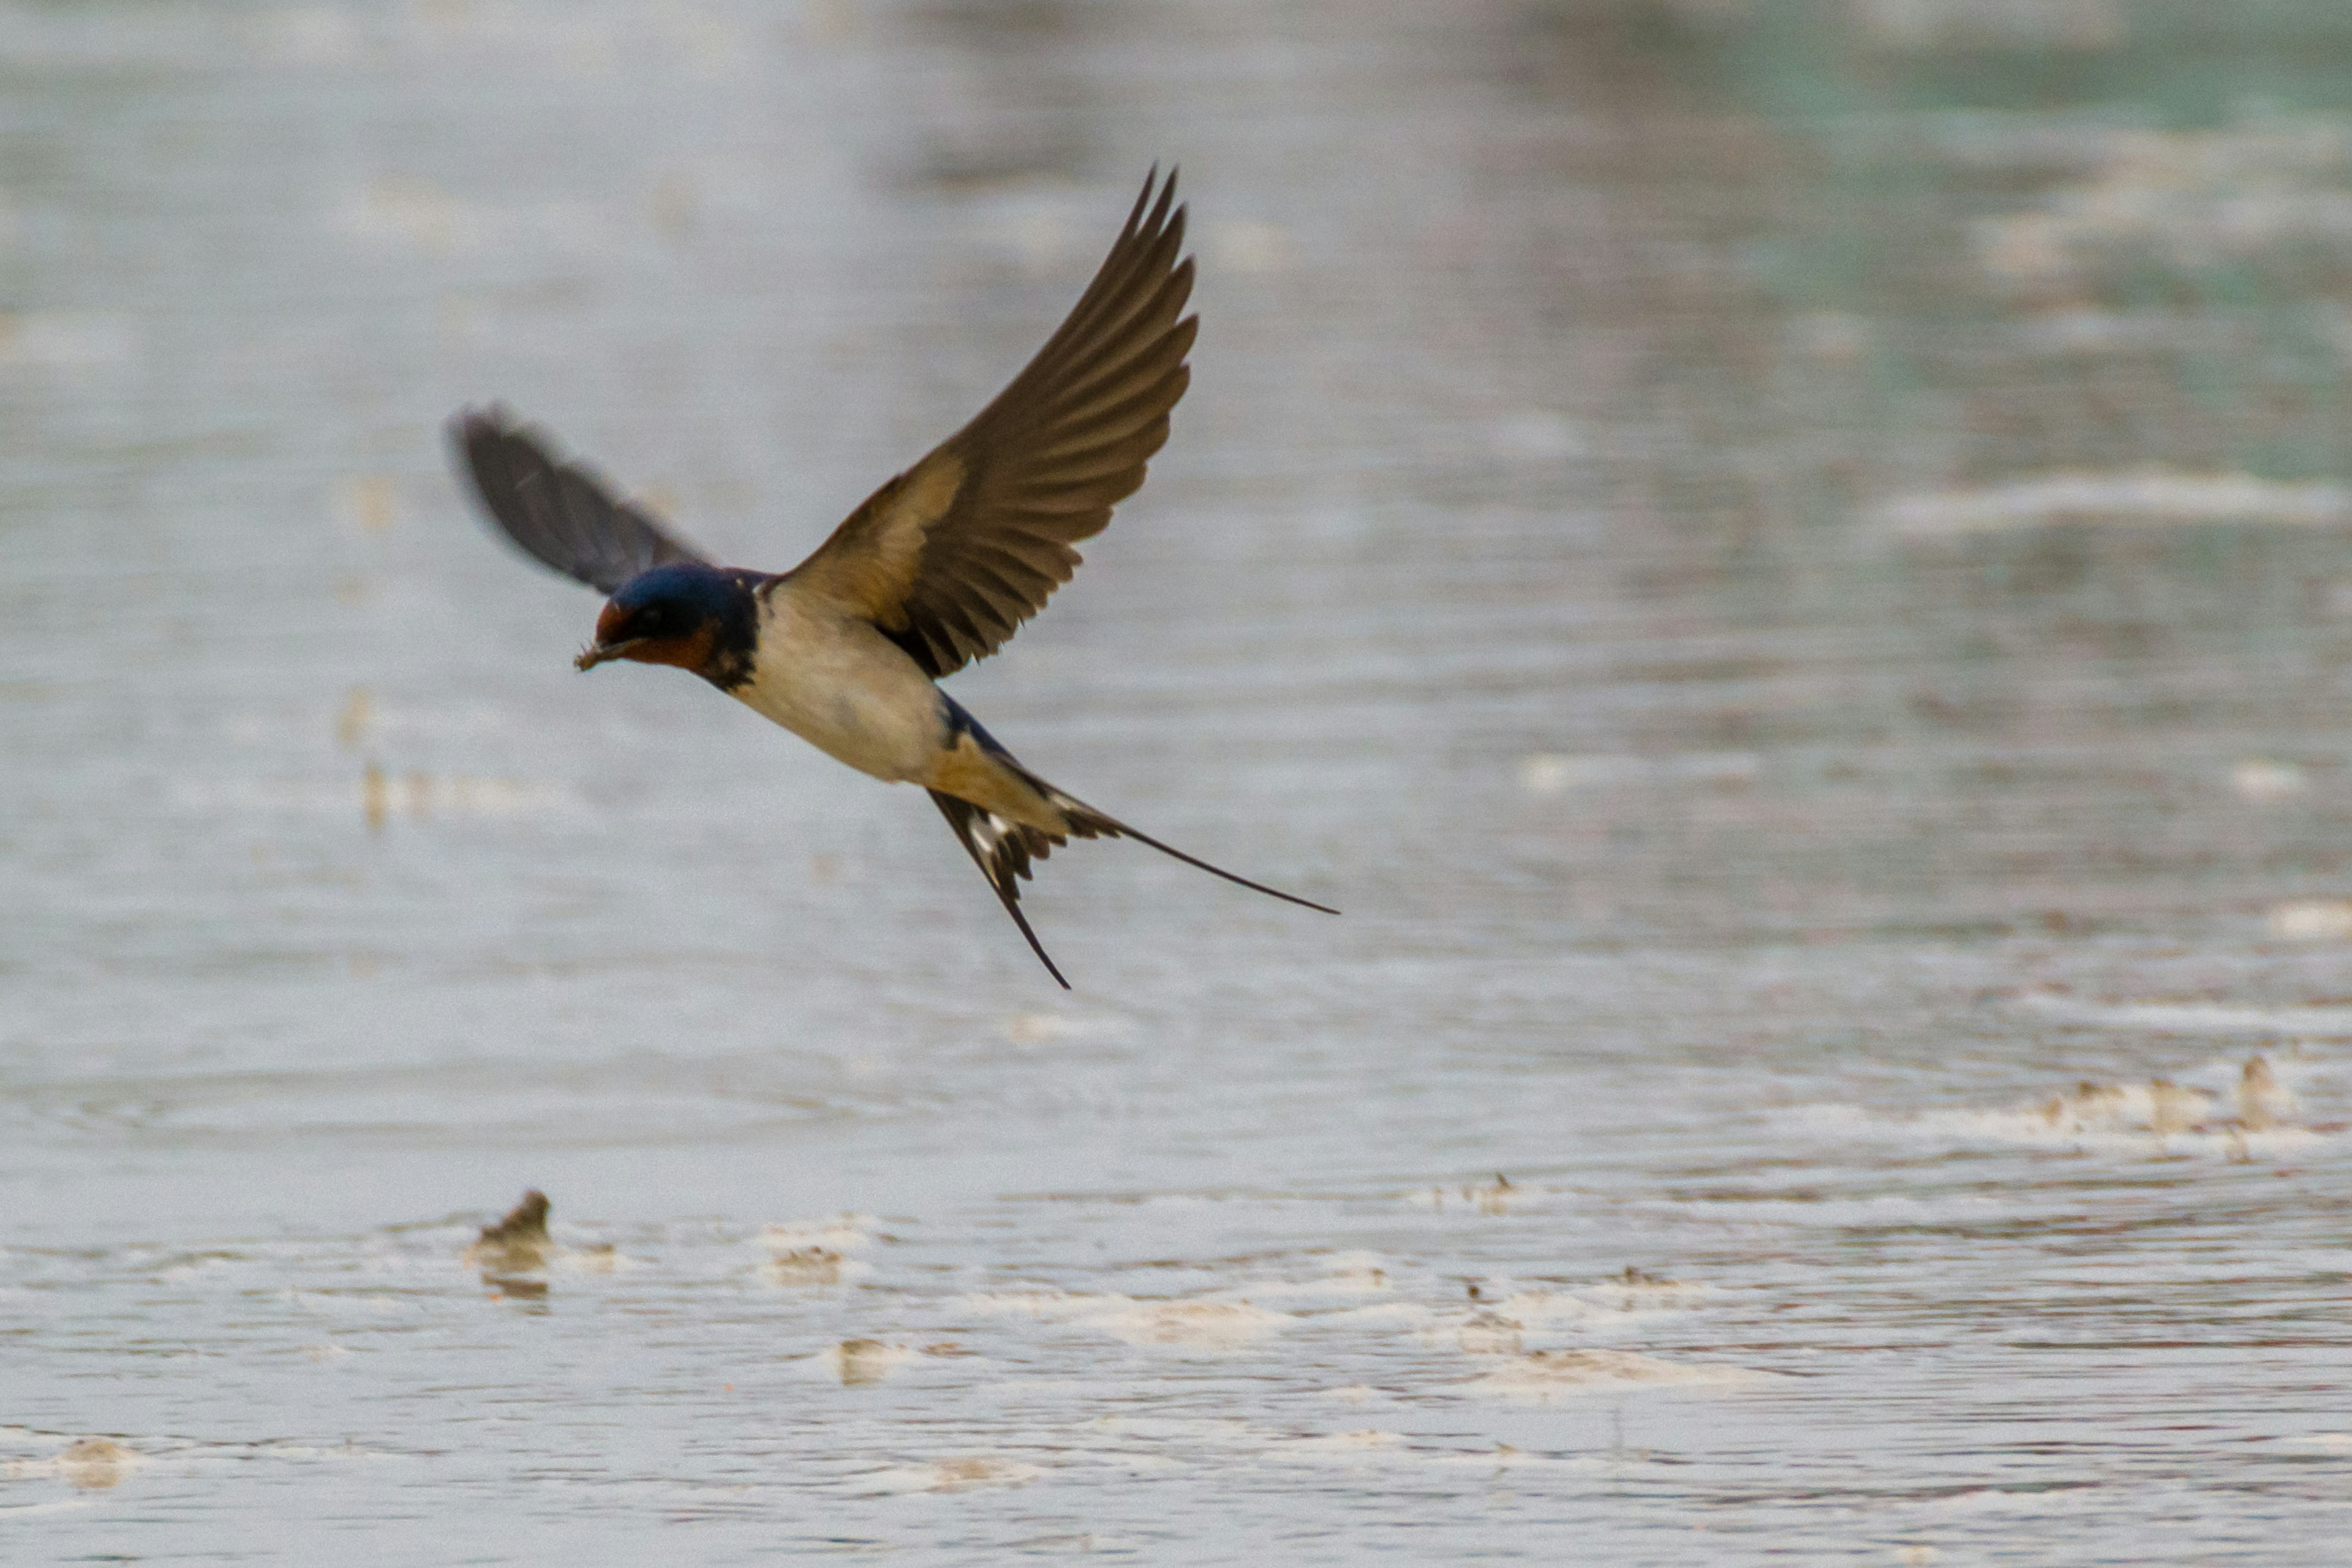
point(1788, 566)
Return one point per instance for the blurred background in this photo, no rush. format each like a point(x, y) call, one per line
point(1788, 564)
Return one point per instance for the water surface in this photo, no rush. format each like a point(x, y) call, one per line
point(1786, 566)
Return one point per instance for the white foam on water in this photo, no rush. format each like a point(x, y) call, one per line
point(1351, 1274)
point(1132, 1461)
point(2187, 198)
point(857, 1360)
point(1192, 1325)
point(810, 1254)
point(1631, 1300)
point(99, 1462)
point(1393, 1314)
point(2245, 1114)
point(2012, 1500)
point(303, 1452)
point(2311, 920)
point(2145, 496)
point(1251, 246)
point(964, 1473)
point(1499, 1196)
point(1541, 1374)
point(86, 1464)
point(843, 1233)
point(1048, 1306)
point(1547, 773)
point(1207, 1323)
point(812, 1267)
point(1503, 1456)
point(1499, 1322)
point(349, 1303)
point(2194, 1017)
point(1337, 1447)
point(1235, 1442)
point(1557, 773)
point(2261, 782)
point(596, 1257)
point(1041, 1028)
point(1481, 1333)
point(1224, 1431)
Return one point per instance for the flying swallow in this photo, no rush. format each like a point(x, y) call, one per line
point(938, 568)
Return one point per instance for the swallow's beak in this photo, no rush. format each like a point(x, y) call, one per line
point(611, 622)
point(591, 657)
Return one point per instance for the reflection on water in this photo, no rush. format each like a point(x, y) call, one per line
point(1788, 564)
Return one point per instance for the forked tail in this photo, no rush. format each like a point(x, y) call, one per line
point(1003, 848)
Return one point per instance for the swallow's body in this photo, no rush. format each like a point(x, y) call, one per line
point(854, 695)
point(938, 568)
point(843, 686)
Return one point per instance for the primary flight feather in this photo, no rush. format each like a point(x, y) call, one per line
point(938, 567)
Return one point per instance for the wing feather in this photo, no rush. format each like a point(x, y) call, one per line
point(559, 513)
point(951, 557)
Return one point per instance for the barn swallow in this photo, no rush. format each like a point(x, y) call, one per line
point(938, 568)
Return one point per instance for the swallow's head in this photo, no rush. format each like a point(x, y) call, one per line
point(701, 618)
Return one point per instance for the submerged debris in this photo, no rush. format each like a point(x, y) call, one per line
point(867, 1361)
point(2260, 1099)
point(2164, 1107)
point(2172, 1108)
point(804, 1265)
point(517, 1242)
point(1492, 1198)
point(1498, 1196)
point(2086, 1102)
point(95, 1464)
point(1490, 1333)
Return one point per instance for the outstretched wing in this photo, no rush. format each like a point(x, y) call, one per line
point(560, 514)
point(952, 556)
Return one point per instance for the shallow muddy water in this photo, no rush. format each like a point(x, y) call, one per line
point(1788, 566)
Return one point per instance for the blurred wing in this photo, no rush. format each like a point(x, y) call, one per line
point(560, 514)
point(952, 556)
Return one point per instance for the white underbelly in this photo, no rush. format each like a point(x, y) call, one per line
point(847, 691)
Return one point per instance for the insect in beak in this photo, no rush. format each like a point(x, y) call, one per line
point(591, 657)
